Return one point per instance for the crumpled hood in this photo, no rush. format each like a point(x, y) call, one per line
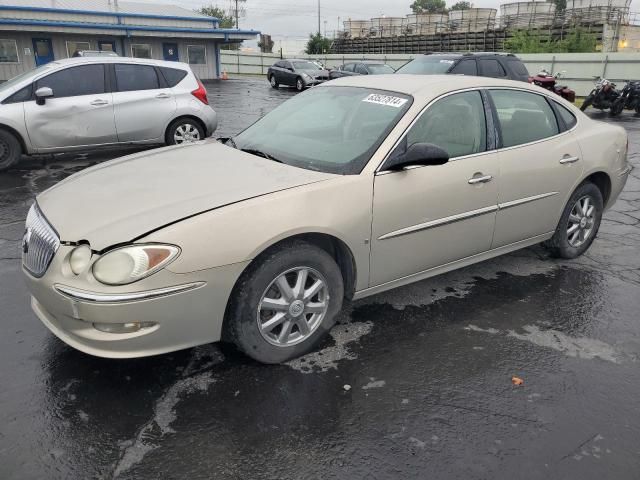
point(123, 199)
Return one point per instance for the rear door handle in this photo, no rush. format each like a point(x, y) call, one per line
point(99, 102)
point(568, 159)
point(163, 95)
point(476, 180)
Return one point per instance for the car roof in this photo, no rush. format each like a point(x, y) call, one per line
point(426, 86)
point(108, 59)
point(467, 54)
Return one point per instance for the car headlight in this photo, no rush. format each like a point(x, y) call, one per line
point(79, 259)
point(129, 264)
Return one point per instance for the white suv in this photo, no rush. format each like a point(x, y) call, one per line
point(84, 103)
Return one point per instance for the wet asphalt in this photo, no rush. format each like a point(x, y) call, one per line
point(413, 383)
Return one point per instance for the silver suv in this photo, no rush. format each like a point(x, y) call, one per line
point(84, 103)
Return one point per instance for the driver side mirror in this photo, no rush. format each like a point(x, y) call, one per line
point(422, 154)
point(42, 94)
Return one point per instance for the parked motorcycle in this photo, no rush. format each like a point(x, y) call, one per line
point(549, 81)
point(603, 96)
point(629, 98)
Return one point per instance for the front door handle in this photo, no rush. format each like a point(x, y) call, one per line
point(99, 102)
point(568, 159)
point(163, 95)
point(484, 179)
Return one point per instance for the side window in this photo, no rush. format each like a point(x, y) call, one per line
point(278, 64)
point(455, 123)
point(567, 117)
point(349, 67)
point(75, 81)
point(491, 68)
point(361, 69)
point(22, 95)
point(466, 67)
point(131, 77)
point(173, 76)
point(287, 65)
point(524, 117)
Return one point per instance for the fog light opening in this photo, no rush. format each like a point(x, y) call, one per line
point(131, 327)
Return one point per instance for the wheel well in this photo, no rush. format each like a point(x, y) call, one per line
point(185, 117)
point(603, 182)
point(13, 132)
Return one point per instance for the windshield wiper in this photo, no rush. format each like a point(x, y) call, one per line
point(260, 153)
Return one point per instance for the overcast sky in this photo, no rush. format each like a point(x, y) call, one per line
point(297, 18)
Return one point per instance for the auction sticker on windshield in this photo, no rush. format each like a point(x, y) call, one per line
point(387, 100)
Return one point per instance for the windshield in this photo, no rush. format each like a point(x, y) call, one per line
point(305, 66)
point(428, 65)
point(380, 69)
point(23, 76)
point(328, 129)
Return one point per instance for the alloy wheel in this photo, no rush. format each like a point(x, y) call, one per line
point(581, 222)
point(5, 151)
point(186, 133)
point(273, 81)
point(293, 306)
point(299, 85)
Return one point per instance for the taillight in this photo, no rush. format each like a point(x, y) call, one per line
point(201, 93)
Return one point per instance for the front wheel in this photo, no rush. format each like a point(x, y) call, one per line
point(10, 150)
point(579, 223)
point(299, 85)
point(273, 81)
point(285, 303)
point(184, 130)
point(587, 103)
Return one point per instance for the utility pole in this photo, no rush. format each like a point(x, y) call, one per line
point(325, 29)
point(319, 31)
point(237, 24)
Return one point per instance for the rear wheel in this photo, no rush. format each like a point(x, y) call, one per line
point(299, 84)
point(273, 81)
point(579, 223)
point(10, 150)
point(285, 303)
point(184, 130)
point(617, 107)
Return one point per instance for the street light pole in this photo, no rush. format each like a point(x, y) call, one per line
point(319, 18)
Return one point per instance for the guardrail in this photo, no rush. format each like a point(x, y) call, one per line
point(578, 69)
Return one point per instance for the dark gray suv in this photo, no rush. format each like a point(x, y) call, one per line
point(496, 65)
point(296, 73)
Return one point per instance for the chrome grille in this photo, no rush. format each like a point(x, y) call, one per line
point(40, 243)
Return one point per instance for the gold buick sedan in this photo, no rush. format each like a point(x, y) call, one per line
point(357, 186)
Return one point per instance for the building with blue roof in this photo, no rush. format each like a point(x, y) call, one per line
point(35, 32)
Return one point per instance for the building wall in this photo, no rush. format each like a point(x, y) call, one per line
point(26, 58)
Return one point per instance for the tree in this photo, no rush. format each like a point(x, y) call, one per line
point(265, 44)
point(317, 44)
point(226, 20)
point(561, 5)
point(429, 6)
point(576, 41)
point(461, 6)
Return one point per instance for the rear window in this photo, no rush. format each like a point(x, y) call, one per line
point(428, 65)
point(136, 77)
point(173, 76)
point(518, 67)
point(466, 67)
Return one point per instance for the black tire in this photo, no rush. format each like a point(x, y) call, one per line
point(617, 107)
point(243, 314)
point(10, 150)
point(274, 83)
point(559, 244)
point(587, 103)
point(299, 84)
point(194, 127)
point(638, 109)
